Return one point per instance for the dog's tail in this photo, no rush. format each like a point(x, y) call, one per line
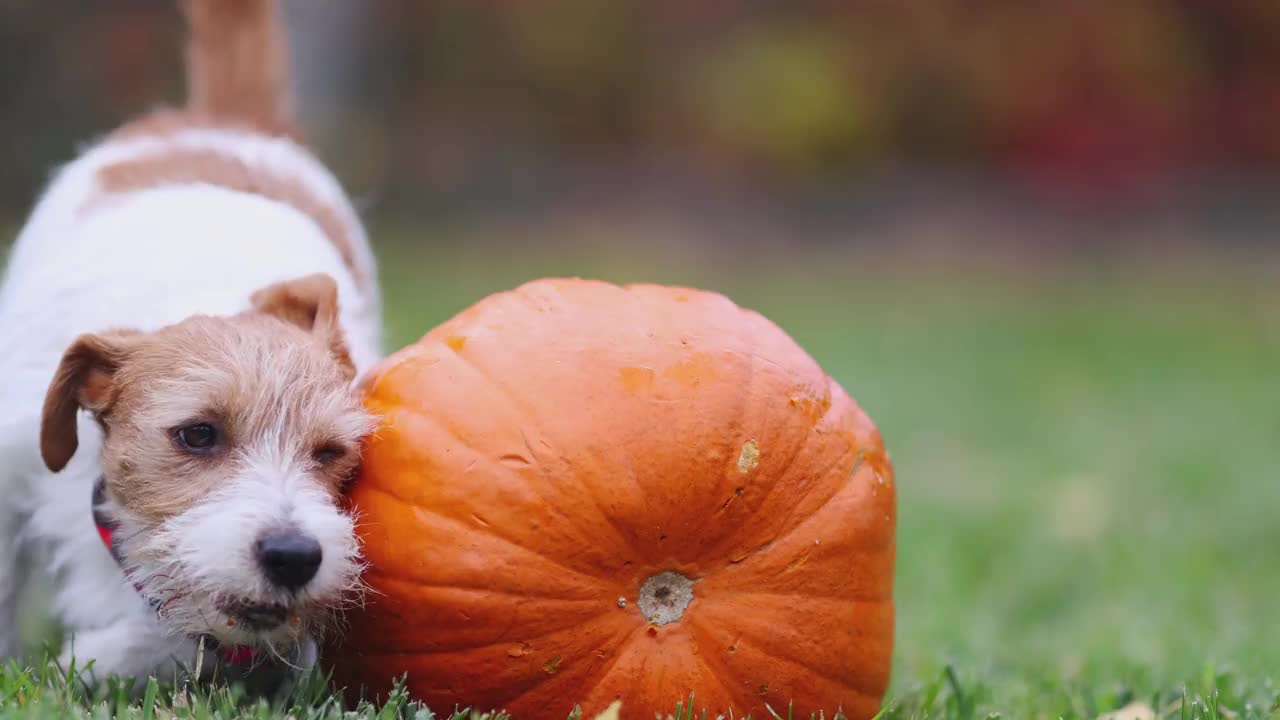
point(237, 62)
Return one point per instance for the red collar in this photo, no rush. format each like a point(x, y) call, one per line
point(107, 526)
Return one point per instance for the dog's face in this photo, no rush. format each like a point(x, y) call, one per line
point(227, 442)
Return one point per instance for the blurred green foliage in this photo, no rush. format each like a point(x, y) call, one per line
point(457, 94)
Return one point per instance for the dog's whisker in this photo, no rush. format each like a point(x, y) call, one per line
point(278, 656)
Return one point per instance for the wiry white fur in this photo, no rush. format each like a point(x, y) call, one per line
point(205, 555)
point(86, 263)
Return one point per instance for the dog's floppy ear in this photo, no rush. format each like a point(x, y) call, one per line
point(84, 379)
point(311, 303)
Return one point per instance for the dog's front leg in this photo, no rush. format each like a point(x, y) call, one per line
point(9, 582)
point(128, 649)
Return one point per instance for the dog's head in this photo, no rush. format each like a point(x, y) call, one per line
point(227, 441)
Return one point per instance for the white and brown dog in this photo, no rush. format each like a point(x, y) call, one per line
point(200, 286)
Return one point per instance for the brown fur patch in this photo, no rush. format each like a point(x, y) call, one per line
point(271, 388)
point(166, 122)
point(189, 166)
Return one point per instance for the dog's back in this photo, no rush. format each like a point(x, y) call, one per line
point(188, 210)
point(181, 212)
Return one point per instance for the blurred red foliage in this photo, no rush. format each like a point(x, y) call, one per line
point(1109, 98)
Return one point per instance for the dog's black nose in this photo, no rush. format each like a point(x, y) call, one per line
point(288, 558)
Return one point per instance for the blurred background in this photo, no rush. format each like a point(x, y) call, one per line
point(1036, 240)
point(805, 122)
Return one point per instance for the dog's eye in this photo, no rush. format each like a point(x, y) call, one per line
point(201, 437)
point(326, 454)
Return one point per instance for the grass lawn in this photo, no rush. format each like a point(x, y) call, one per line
point(1087, 467)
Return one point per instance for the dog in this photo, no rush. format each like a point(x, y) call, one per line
point(183, 320)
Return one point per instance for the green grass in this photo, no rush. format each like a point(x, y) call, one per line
point(45, 693)
point(26, 693)
point(1087, 468)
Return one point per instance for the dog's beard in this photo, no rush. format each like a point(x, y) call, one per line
point(198, 573)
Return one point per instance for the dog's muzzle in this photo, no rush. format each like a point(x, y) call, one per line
point(104, 520)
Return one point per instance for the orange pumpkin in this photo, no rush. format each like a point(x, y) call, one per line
point(584, 492)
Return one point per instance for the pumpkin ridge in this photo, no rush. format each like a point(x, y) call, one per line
point(742, 637)
point(799, 448)
point(718, 670)
point(758, 633)
point(531, 298)
point(496, 697)
point(786, 533)
point(631, 550)
point(430, 417)
point(845, 597)
point(554, 283)
point(836, 462)
point(372, 383)
point(524, 415)
point(639, 287)
point(374, 572)
point(496, 464)
point(715, 676)
point(706, 641)
point(623, 650)
point(628, 639)
point(375, 650)
point(732, 467)
point(763, 546)
point(627, 544)
point(484, 531)
point(623, 647)
point(769, 361)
